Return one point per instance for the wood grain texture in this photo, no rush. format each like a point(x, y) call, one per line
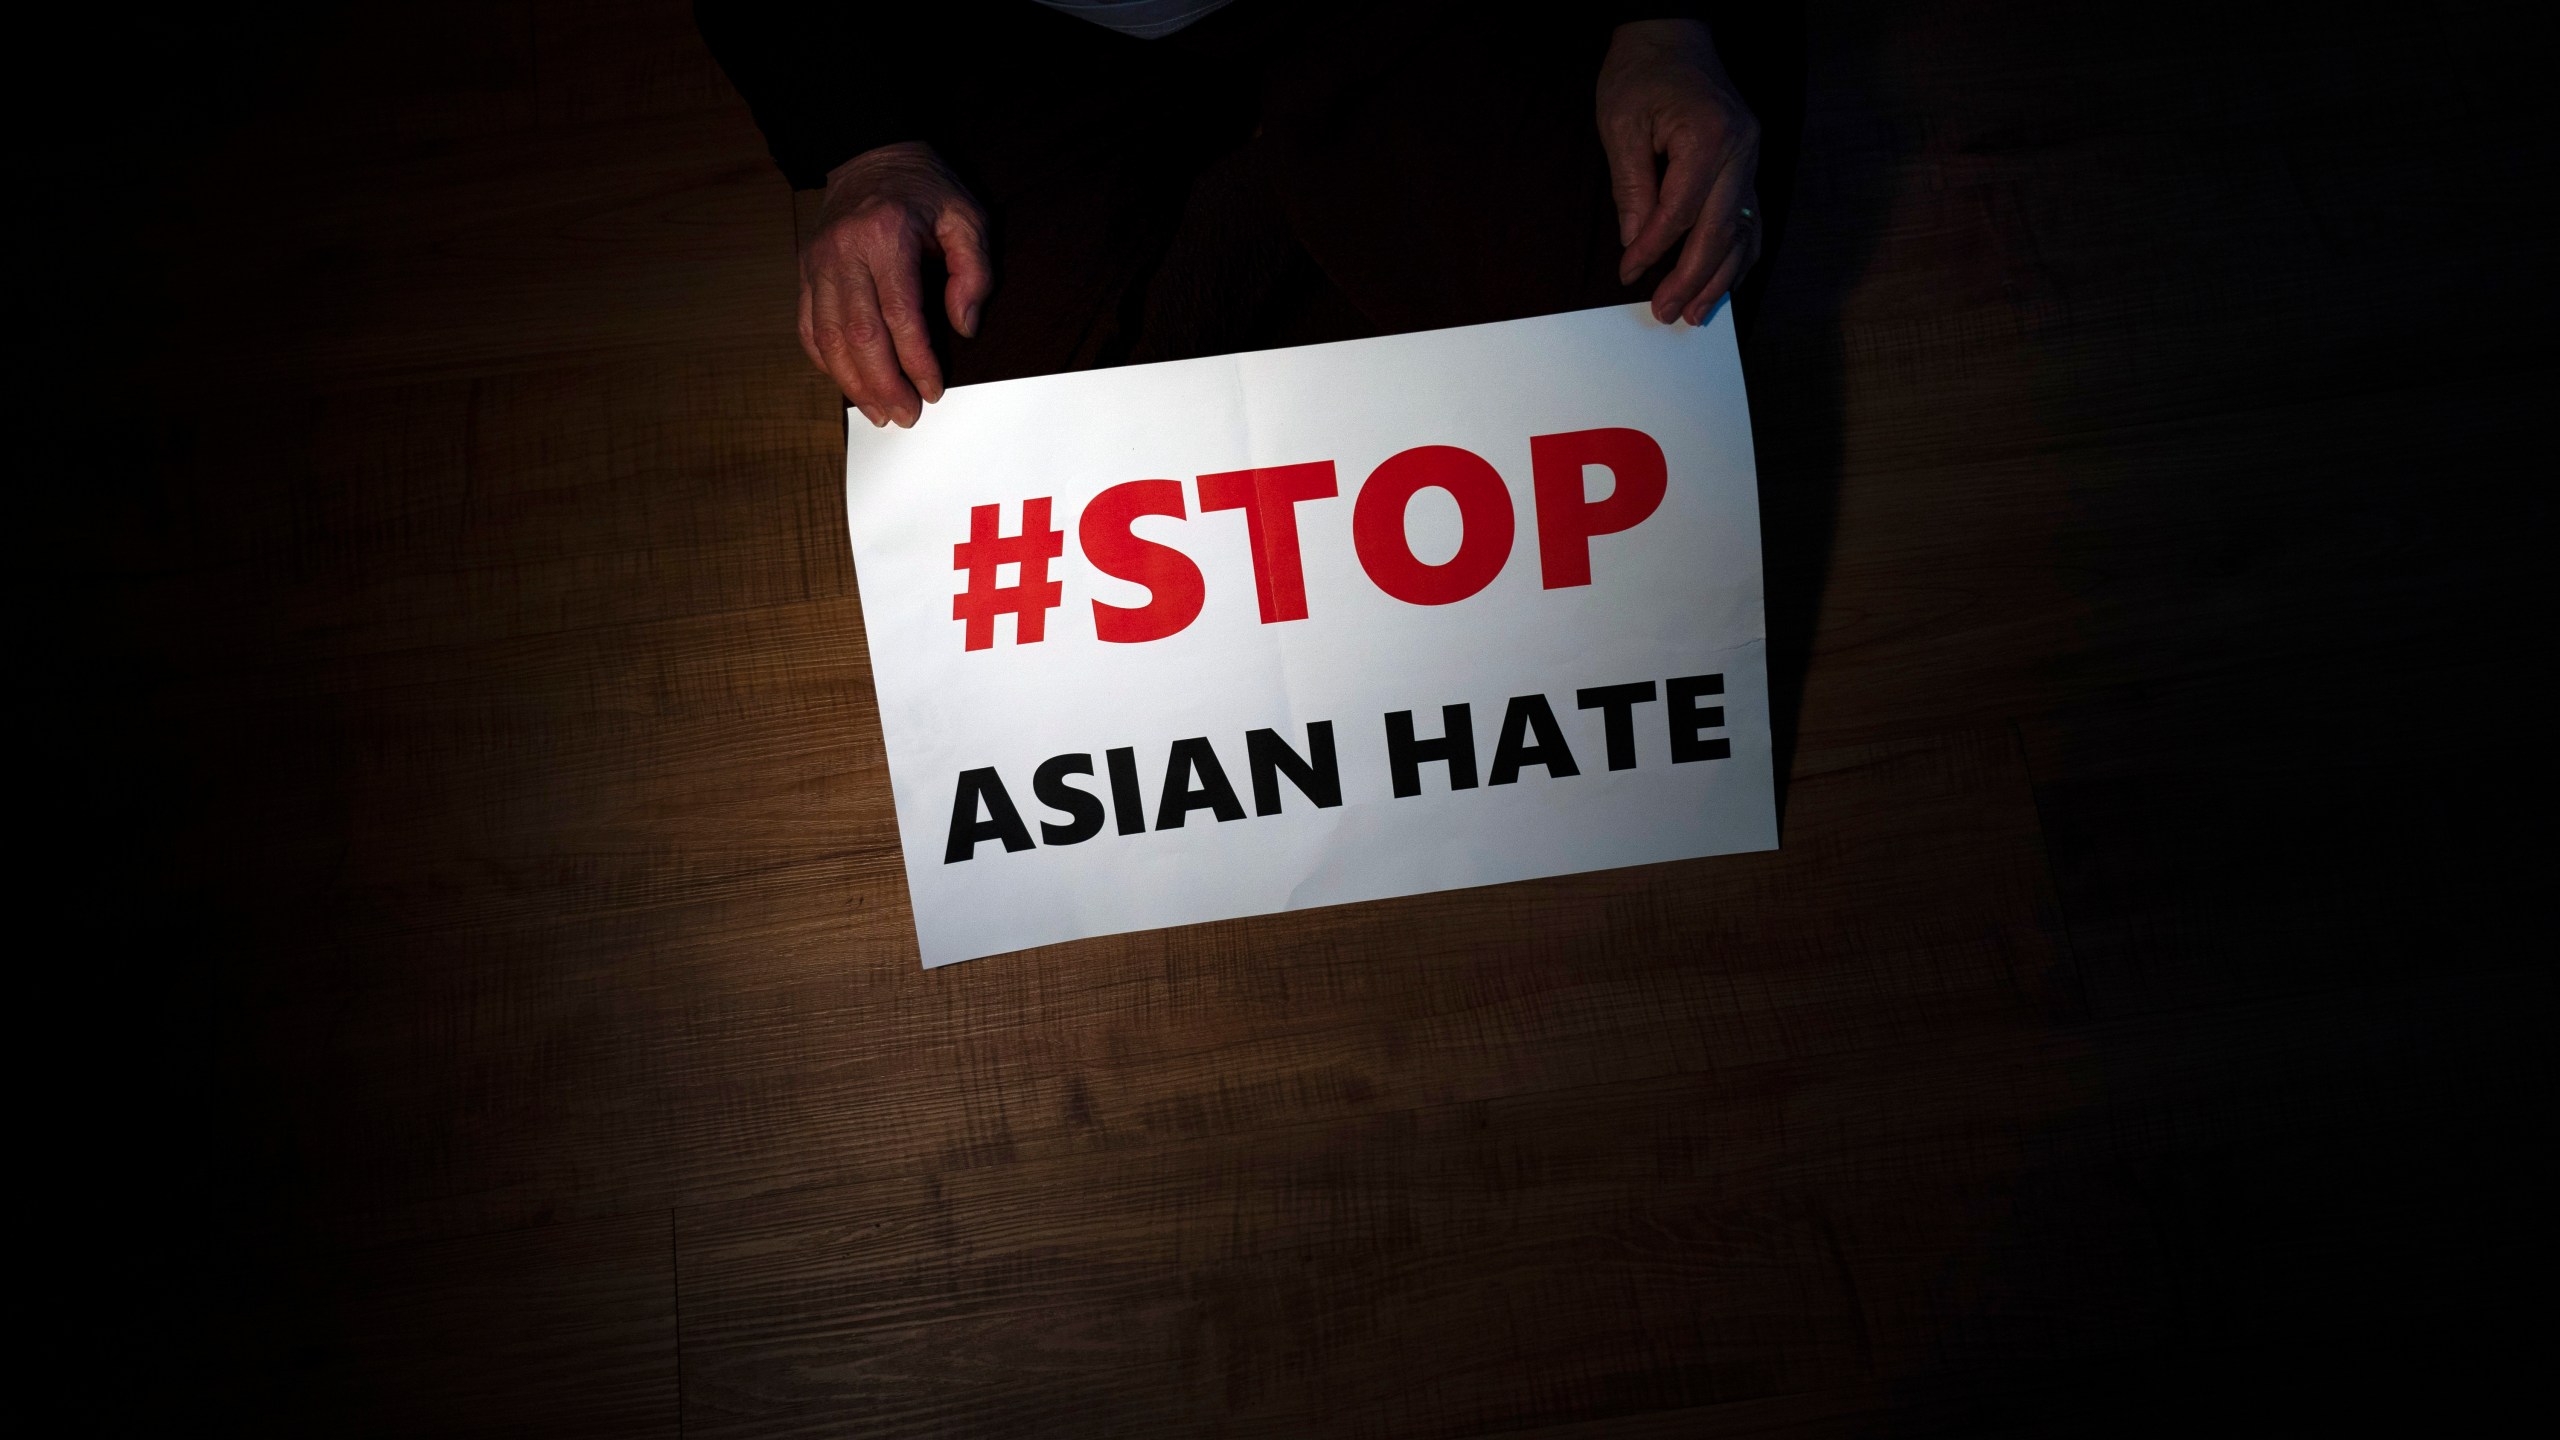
point(505, 1003)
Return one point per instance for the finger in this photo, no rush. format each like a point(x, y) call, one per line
point(902, 312)
point(875, 358)
point(1737, 263)
point(1631, 185)
point(1745, 255)
point(823, 336)
point(1687, 177)
point(809, 333)
point(1736, 260)
point(962, 233)
point(1706, 248)
point(1717, 231)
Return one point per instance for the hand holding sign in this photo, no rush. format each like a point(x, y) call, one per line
point(862, 277)
point(1662, 99)
point(1663, 92)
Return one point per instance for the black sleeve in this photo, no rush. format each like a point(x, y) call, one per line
point(1621, 12)
point(826, 81)
point(829, 79)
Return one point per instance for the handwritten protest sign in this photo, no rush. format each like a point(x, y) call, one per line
point(1175, 643)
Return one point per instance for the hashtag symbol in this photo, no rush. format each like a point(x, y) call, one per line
point(1031, 598)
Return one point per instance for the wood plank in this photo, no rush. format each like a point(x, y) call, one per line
point(755, 1029)
point(1987, 1197)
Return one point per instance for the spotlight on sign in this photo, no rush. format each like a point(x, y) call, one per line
point(1167, 644)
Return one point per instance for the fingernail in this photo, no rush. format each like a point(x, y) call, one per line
point(969, 322)
point(871, 415)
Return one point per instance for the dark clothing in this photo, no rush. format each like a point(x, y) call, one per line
point(1275, 174)
point(828, 81)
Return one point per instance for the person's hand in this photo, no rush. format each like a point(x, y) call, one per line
point(862, 316)
point(1664, 93)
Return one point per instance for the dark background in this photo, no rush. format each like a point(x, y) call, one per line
point(467, 979)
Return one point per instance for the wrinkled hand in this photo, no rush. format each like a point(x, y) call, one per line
point(1664, 93)
point(862, 316)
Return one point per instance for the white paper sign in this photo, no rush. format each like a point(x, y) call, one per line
point(1259, 589)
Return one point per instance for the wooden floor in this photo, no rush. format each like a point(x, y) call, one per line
point(495, 969)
